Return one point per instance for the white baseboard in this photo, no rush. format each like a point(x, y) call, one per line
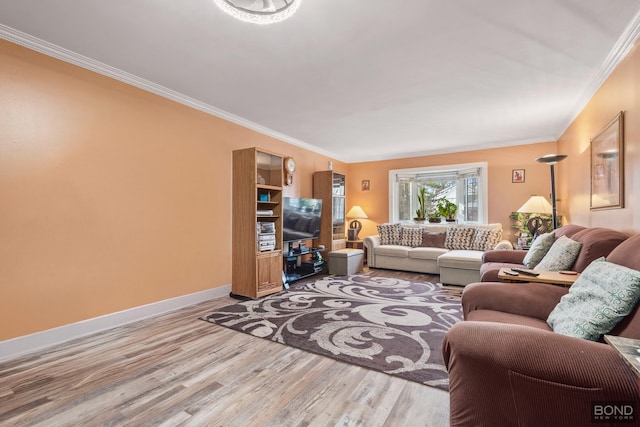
point(39, 340)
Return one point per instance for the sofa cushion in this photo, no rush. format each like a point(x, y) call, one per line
point(459, 237)
point(485, 239)
point(602, 296)
point(432, 239)
point(596, 243)
point(427, 253)
point(389, 234)
point(410, 236)
point(538, 249)
point(393, 250)
point(561, 255)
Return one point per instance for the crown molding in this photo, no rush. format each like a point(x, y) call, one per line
point(26, 40)
point(625, 42)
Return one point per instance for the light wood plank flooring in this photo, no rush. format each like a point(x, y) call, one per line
point(177, 370)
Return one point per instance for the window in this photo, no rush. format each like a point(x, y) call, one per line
point(464, 184)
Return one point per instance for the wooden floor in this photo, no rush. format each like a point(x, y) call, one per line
point(177, 370)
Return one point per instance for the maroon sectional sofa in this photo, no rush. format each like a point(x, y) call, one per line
point(508, 368)
point(596, 243)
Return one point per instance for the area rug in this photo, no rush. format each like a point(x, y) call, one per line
point(390, 325)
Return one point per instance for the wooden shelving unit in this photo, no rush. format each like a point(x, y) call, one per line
point(330, 186)
point(257, 223)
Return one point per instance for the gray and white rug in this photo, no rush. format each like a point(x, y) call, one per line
point(390, 325)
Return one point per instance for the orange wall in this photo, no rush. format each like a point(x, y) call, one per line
point(621, 92)
point(110, 197)
point(504, 196)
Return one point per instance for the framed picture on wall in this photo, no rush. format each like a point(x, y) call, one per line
point(517, 176)
point(366, 185)
point(607, 166)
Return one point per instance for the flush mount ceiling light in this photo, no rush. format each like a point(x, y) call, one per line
point(259, 11)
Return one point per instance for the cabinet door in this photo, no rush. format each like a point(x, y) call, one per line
point(269, 269)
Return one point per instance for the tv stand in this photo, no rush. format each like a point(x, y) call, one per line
point(304, 262)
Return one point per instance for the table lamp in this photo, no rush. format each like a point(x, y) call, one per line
point(536, 205)
point(355, 226)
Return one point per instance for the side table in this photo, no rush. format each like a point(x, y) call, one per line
point(358, 244)
point(355, 244)
point(628, 349)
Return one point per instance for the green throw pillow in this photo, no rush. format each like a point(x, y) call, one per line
point(561, 256)
point(538, 249)
point(602, 296)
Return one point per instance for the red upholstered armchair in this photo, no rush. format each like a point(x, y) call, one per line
point(508, 368)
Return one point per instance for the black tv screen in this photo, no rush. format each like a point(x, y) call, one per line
point(301, 218)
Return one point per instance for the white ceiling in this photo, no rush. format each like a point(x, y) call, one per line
point(354, 79)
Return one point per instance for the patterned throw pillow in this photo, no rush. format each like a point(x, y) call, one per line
point(410, 236)
point(459, 237)
point(431, 239)
point(538, 249)
point(485, 239)
point(597, 301)
point(561, 255)
point(389, 234)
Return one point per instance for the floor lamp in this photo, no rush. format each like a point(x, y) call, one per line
point(551, 160)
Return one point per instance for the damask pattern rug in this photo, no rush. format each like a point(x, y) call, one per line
point(390, 325)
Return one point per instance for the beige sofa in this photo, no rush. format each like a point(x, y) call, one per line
point(457, 262)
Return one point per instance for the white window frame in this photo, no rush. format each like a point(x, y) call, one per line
point(483, 187)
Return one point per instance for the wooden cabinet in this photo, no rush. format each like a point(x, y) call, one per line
point(257, 223)
point(330, 186)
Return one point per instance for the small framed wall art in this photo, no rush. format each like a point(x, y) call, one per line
point(366, 185)
point(607, 166)
point(517, 176)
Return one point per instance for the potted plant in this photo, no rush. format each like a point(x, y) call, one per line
point(447, 209)
point(421, 212)
point(434, 217)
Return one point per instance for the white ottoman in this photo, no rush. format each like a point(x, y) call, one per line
point(346, 261)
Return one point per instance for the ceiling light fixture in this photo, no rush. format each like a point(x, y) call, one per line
point(259, 11)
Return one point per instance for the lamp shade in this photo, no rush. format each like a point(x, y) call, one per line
point(357, 213)
point(536, 204)
point(551, 159)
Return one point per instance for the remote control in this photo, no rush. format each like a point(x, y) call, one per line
point(527, 272)
point(510, 273)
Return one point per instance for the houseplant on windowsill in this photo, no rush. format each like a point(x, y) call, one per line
point(434, 217)
point(447, 209)
point(421, 212)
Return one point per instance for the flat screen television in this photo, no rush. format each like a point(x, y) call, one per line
point(301, 218)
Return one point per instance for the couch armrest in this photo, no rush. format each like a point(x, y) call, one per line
point(503, 245)
point(370, 242)
point(512, 375)
point(527, 299)
point(512, 257)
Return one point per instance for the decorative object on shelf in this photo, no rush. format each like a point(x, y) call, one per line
point(259, 11)
point(607, 166)
point(551, 160)
point(355, 226)
point(536, 206)
point(366, 185)
point(517, 176)
point(447, 209)
point(289, 169)
point(421, 212)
